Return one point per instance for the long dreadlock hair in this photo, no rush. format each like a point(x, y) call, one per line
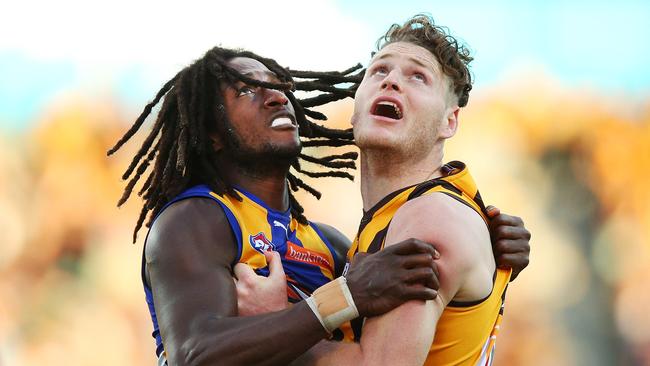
point(181, 150)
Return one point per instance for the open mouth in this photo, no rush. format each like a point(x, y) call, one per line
point(283, 121)
point(388, 109)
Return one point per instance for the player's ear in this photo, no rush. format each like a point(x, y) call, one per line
point(217, 140)
point(450, 125)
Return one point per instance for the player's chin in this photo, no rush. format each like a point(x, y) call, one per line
point(375, 140)
point(289, 150)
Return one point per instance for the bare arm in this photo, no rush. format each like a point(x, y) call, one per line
point(403, 336)
point(422, 271)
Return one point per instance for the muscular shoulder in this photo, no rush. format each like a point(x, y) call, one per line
point(191, 229)
point(439, 218)
point(459, 234)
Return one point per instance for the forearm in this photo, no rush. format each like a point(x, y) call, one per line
point(387, 340)
point(328, 353)
point(331, 353)
point(268, 339)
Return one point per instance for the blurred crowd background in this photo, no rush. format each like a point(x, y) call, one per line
point(557, 131)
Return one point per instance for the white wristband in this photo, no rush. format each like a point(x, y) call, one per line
point(332, 304)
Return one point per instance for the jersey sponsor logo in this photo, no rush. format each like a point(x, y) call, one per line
point(261, 243)
point(300, 254)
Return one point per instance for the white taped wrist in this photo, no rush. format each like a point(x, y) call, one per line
point(332, 304)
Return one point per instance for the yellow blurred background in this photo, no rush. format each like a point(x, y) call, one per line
point(572, 159)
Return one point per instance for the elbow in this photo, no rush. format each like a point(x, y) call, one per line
point(186, 356)
point(209, 351)
point(197, 352)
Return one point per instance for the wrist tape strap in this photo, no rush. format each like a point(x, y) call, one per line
point(333, 305)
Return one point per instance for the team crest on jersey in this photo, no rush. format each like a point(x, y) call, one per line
point(260, 243)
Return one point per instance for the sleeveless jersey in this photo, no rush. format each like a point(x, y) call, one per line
point(466, 331)
point(308, 258)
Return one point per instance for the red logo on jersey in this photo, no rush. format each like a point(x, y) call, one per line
point(260, 243)
point(300, 254)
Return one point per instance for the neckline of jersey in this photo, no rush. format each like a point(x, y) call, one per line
point(261, 203)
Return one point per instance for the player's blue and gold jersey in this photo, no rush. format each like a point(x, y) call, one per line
point(308, 258)
point(466, 331)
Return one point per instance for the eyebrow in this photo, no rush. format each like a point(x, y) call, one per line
point(269, 73)
point(415, 60)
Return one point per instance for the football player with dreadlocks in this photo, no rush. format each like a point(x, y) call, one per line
point(220, 193)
